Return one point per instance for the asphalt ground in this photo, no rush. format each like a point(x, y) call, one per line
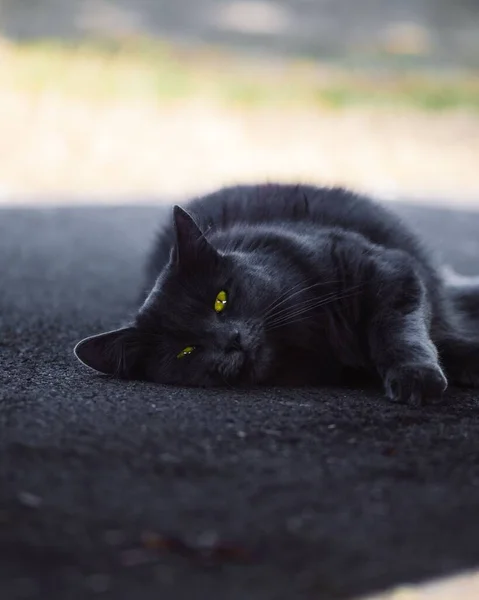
point(133, 490)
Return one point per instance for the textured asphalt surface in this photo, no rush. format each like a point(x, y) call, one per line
point(125, 490)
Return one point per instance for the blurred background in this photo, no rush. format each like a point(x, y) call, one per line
point(111, 100)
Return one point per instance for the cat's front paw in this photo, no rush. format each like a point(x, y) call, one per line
point(415, 383)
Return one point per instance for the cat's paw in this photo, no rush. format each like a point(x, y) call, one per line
point(415, 383)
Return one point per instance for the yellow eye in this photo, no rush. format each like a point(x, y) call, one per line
point(221, 301)
point(186, 351)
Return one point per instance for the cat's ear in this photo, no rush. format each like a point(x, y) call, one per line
point(191, 243)
point(112, 353)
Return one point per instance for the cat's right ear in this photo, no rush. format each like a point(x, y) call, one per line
point(191, 244)
point(114, 353)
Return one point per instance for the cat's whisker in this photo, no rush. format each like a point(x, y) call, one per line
point(290, 318)
point(293, 322)
point(290, 315)
point(299, 305)
point(227, 383)
point(287, 296)
point(302, 290)
point(322, 302)
point(309, 304)
point(283, 296)
point(207, 230)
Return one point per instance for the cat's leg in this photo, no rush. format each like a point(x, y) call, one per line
point(400, 345)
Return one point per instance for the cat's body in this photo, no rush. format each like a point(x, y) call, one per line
point(318, 284)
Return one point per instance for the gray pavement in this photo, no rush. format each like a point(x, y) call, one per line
point(130, 490)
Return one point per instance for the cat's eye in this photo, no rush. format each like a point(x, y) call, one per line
point(221, 301)
point(186, 352)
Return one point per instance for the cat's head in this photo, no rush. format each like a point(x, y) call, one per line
point(202, 324)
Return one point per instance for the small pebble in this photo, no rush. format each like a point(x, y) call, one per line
point(294, 524)
point(274, 432)
point(114, 537)
point(153, 541)
point(30, 500)
point(98, 583)
point(169, 458)
point(134, 557)
point(207, 539)
point(164, 575)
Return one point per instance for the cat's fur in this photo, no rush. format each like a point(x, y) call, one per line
point(322, 284)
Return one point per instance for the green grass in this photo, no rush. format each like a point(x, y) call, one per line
point(150, 71)
point(422, 95)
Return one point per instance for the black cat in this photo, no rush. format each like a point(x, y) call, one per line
point(293, 285)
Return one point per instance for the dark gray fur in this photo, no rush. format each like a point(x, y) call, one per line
point(323, 285)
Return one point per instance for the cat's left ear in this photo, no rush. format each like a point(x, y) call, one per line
point(114, 353)
point(191, 243)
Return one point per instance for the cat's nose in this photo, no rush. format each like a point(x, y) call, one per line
point(234, 342)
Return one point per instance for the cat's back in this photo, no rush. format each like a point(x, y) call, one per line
point(290, 204)
point(293, 206)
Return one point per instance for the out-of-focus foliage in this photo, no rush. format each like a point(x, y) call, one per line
point(149, 70)
point(163, 97)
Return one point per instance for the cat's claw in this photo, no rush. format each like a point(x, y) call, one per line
point(415, 383)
